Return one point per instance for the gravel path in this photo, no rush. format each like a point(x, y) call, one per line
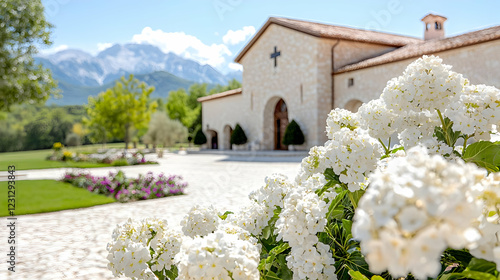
point(71, 244)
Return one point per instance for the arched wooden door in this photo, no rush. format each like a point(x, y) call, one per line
point(280, 123)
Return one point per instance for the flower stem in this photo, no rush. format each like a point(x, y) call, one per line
point(385, 148)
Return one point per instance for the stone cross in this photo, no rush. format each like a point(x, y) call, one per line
point(275, 56)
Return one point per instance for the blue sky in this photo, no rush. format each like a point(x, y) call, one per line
point(214, 31)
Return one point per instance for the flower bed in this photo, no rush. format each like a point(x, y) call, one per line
point(426, 207)
point(147, 186)
point(112, 156)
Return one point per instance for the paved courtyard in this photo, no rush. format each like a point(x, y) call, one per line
point(71, 244)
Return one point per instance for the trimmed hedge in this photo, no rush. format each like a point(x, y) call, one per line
point(238, 136)
point(200, 138)
point(293, 134)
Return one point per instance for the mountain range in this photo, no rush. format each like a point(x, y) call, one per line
point(80, 74)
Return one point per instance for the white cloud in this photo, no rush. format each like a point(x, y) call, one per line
point(238, 36)
point(103, 46)
point(54, 49)
point(185, 45)
point(235, 66)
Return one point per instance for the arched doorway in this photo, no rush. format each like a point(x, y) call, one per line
point(213, 139)
point(353, 105)
point(280, 123)
point(228, 131)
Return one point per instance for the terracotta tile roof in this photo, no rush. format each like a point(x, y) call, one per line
point(332, 32)
point(220, 95)
point(427, 48)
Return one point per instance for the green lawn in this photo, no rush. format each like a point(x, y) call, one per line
point(36, 160)
point(40, 196)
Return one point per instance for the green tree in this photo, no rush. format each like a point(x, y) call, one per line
point(293, 134)
point(233, 84)
point(22, 29)
point(238, 137)
point(96, 121)
point(164, 131)
point(121, 108)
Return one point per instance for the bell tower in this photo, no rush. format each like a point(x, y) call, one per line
point(434, 26)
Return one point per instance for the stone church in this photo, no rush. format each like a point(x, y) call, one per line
point(300, 70)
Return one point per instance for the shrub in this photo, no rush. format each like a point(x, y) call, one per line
point(238, 136)
point(73, 140)
point(293, 134)
point(200, 138)
point(120, 162)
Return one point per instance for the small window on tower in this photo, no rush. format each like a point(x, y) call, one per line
point(437, 25)
point(350, 82)
point(427, 26)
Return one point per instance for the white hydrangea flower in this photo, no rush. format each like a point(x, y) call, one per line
point(219, 255)
point(341, 118)
point(165, 251)
point(476, 112)
point(488, 247)
point(377, 119)
point(303, 215)
point(252, 218)
point(200, 221)
point(313, 164)
point(352, 154)
point(414, 209)
point(311, 261)
point(426, 84)
point(128, 253)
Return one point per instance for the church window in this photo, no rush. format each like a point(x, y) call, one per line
point(427, 26)
point(350, 82)
point(437, 25)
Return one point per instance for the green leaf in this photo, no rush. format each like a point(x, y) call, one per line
point(476, 275)
point(482, 266)
point(484, 154)
point(462, 256)
point(279, 249)
point(347, 226)
point(266, 232)
point(356, 275)
point(336, 208)
point(354, 261)
point(377, 277)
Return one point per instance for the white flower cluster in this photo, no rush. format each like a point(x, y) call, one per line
point(488, 247)
point(129, 252)
point(254, 218)
point(409, 103)
point(200, 221)
point(476, 112)
point(219, 255)
point(351, 152)
point(303, 216)
point(414, 210)
point(140, 248)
